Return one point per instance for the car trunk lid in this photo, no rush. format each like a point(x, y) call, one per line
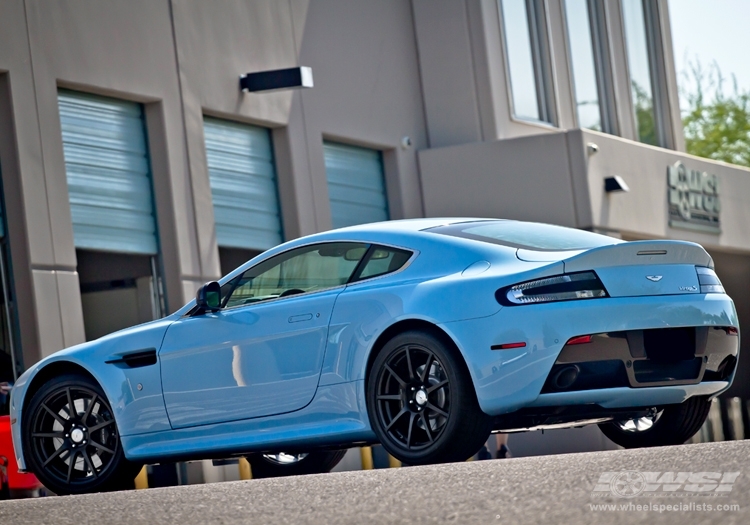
point(639, 268)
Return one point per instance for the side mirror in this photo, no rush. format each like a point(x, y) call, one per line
point(209, 296)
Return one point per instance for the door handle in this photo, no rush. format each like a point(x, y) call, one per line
point(301, 317)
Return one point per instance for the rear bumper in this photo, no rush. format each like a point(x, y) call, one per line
point(508, 380)
point(624, 397)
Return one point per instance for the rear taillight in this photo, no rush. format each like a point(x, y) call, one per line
point(708, 280)
point(568, 287)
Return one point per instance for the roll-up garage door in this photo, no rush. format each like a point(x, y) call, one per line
point(243, 185)
point(356, 188)
point(109, 179)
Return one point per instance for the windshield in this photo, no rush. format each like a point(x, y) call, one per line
point(526, 235)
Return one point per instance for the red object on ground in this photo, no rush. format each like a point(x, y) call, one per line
point(16, 480)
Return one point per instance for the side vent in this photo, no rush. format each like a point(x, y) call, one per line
point(135, 359)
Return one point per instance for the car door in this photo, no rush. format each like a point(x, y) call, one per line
point(262, 352)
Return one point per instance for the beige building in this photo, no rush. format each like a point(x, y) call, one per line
point(134, 168)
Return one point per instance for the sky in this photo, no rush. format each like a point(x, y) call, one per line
point(712, 30)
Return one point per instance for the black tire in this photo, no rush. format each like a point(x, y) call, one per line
point(78, 454)
point(421, 401)
point(281, 464)
point(673, 425)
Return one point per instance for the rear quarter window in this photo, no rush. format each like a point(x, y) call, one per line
point(383, 260)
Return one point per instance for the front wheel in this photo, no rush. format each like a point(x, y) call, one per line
point(671, 425)
point(421, 401)
point(284, 464)
point(71, 440)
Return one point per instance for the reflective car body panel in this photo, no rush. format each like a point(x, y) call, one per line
point(506, 380)
point(336, 416)
point(136, 411)
point(660, 279)
point(290, 373)
point(245, 362)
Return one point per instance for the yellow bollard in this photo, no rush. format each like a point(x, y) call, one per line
point(393, 462)
point(246, 472)
point(141, 480)
point(366, 455)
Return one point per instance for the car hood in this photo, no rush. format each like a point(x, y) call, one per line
point(151, 330)
point(147, 335)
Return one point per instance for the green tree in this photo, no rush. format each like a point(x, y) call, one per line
point(644, 114)
point(716, 127)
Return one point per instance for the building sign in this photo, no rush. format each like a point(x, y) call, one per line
point(693, 199)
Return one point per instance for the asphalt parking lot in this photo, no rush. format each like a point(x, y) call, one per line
point(685, 484)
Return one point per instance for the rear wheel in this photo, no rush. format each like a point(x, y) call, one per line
point(71, 440)
point(671, 425)
point(283, 464)
point(421, 401)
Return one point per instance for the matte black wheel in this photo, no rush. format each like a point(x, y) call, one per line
point(71, 441)
point(421, 401)
point(671, 425)
point(283, 464)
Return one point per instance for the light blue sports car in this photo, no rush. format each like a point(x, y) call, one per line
point(424, 335)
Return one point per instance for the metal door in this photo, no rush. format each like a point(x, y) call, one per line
point(243, 185)
point(356, 187)
point(108, 173)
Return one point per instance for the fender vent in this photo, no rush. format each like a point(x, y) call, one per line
point(135, 359)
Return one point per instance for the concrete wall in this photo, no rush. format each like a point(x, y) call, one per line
point(557, 178)
point(182, 60)
point(642, 211)
point(526, 178)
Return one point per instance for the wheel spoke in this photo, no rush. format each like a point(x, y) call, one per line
point(71, 465)
point(71, 404)
point(101, 425)
point(401, 413)
point(48, 435)
point(55, 454)
point(90, 463)
point(427, 365)
point(395, 375)
point(89, 409)
point(412, 418)
point(389, 397)
point(438, 386)
point(101, 447)
point(436, 409)
point(408, 363)
point(427, 428)
point(57, 416)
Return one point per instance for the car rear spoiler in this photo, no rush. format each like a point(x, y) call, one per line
point(639, 252)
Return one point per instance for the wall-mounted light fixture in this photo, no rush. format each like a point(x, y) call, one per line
point(616, 183)
point(291, 78)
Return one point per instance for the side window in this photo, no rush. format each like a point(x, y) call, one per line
point(306, 269)
point(383, 260)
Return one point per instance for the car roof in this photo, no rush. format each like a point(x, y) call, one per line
point(411, 225)
point(395, 231)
